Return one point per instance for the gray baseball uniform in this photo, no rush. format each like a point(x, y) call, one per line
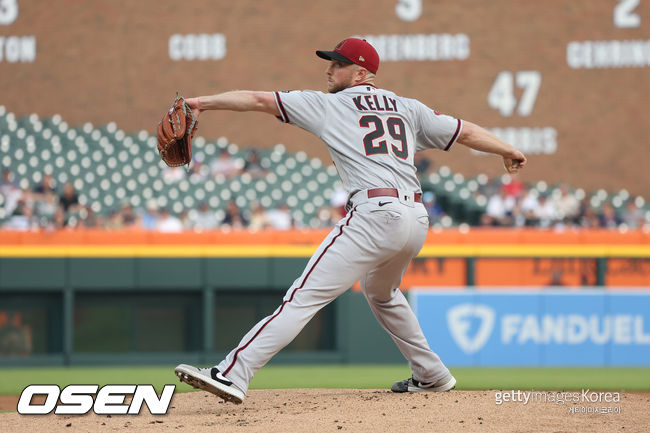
point(372, 135)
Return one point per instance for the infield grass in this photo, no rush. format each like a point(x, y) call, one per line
point(14, 380)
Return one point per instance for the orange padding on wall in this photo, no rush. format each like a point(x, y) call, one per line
point(139, 237)
point(478, 236)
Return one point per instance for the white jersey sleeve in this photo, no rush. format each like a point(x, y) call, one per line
point(435, 130)
point(306, 109)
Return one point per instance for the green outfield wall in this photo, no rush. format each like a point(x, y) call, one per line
point(78, 311)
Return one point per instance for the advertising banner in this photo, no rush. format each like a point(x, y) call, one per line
point(552, 327)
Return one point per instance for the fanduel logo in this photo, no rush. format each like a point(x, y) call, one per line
point(564, 329)
point(78, 399)
point(459, 321)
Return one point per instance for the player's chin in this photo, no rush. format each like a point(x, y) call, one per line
point(333, 88)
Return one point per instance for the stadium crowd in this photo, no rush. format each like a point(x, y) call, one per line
point(510, 203)
point(49, 206)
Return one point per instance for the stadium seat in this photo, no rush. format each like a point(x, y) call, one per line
point(108, 168)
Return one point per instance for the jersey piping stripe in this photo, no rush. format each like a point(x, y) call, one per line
point(453, 139)
point(232, 364)
point(283, 112)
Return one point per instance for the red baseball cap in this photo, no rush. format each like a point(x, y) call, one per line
point(353, 50)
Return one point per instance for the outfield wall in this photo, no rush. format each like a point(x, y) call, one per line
point(136, 297)
point(480, 256)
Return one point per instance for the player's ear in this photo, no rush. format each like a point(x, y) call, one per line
point(361, 73)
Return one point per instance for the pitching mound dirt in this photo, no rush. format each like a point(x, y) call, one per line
point(346, 410)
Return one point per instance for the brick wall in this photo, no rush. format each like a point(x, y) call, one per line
point(102, 61)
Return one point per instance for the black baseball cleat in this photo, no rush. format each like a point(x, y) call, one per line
point(210, 380)
point(411, 385)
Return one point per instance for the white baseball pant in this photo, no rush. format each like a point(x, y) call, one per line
point(373, 244)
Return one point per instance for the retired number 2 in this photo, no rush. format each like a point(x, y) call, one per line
point(373, 142)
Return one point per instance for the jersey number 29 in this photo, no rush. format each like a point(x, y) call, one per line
point(373, 143)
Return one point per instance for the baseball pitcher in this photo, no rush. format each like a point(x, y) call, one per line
point(372, 135)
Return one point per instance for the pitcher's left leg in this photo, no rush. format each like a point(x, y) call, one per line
point(395, 315)
point(381, 288)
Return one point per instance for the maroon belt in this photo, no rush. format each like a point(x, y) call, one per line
point(391, 192)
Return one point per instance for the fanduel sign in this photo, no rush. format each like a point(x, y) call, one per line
point(583, 327)
point(573, 329)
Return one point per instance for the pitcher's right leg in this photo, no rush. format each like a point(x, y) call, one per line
point(336, 265)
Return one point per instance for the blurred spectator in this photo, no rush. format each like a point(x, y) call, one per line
point(29, 198)
point(150, 216)
point(8, 181)
point(590, 218)
point(128, 216)
point(199, 172)
point(529, 206)
point(486, 220)
point(337, 214)
point(168, 223)
point(499, 207)
point(583, 207)
point(69, 199)
point(632, 215)
point(645, 225)
point(608, 217)
point(512, 185)
point(339, 198)
point(23, 218)
point(114, 221)
point(253, 165)
point(280, 218)
point(517, 217)
point(224, 165)
point(47, 185)
point(491, 187)
point(11, 192)
point(434, 210)
point(234, 217)
point(203, 219)
point(173, 174)
point(184, 218)
point(60, 219)
point(423, 165)
point(93, 220)
point(328, 216)
point(258, 217)
point(546, 212)
point(566, 204)
point(46, 207)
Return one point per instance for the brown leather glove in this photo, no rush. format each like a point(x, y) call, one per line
point(175, 133)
